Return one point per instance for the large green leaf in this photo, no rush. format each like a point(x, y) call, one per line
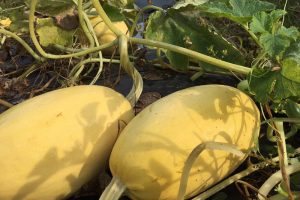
point(52, 7)
point(184, 3)
point(50, 34)
point(273, 37)
point(182, 29)
point(264, 22)
point(271, 85)
point(291, 32)
point(274, 44)
point(240, 11)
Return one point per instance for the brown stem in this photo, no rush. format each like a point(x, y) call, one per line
point(5, 103)
point(282, 164)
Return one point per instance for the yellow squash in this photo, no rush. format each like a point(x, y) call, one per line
point(149, 155)
point(104, 34)
point(52, 144)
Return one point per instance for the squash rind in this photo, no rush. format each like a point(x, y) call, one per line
point(54, 143)
point(149, 155)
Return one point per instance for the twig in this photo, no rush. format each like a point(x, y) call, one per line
point(5, 103)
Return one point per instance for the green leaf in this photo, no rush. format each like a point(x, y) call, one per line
point(271, 85)
point(291, 69)
point(291, 62)
point(52, 7)
point(291, 32)
point(293, 51)
point(274, 37)
point(264, 22)
point(113, 13)
point(274, 44)
point(185, 3)
point(50, 34)
point(180, 28)
point(260, 23)
point(240, 11)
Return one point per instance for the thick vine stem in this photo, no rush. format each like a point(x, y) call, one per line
point(283, 162)
point(33, 4)
point(193, 54)
point(194, 155)
point(23, 43)
point(114, 190)
point(128, 67)
point(275, 179)
point(280, 130)
point(105, 18)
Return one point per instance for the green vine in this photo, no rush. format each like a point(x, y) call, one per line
point(23, 43)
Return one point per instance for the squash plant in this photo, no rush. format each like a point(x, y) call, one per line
point(184, 40)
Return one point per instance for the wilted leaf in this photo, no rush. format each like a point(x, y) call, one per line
point(50, 34)
point(67, 20)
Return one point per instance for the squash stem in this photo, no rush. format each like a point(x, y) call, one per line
point(193, 54)
point(283, 162)
point(128, 67)
point(194, 155)
point(114, 190)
